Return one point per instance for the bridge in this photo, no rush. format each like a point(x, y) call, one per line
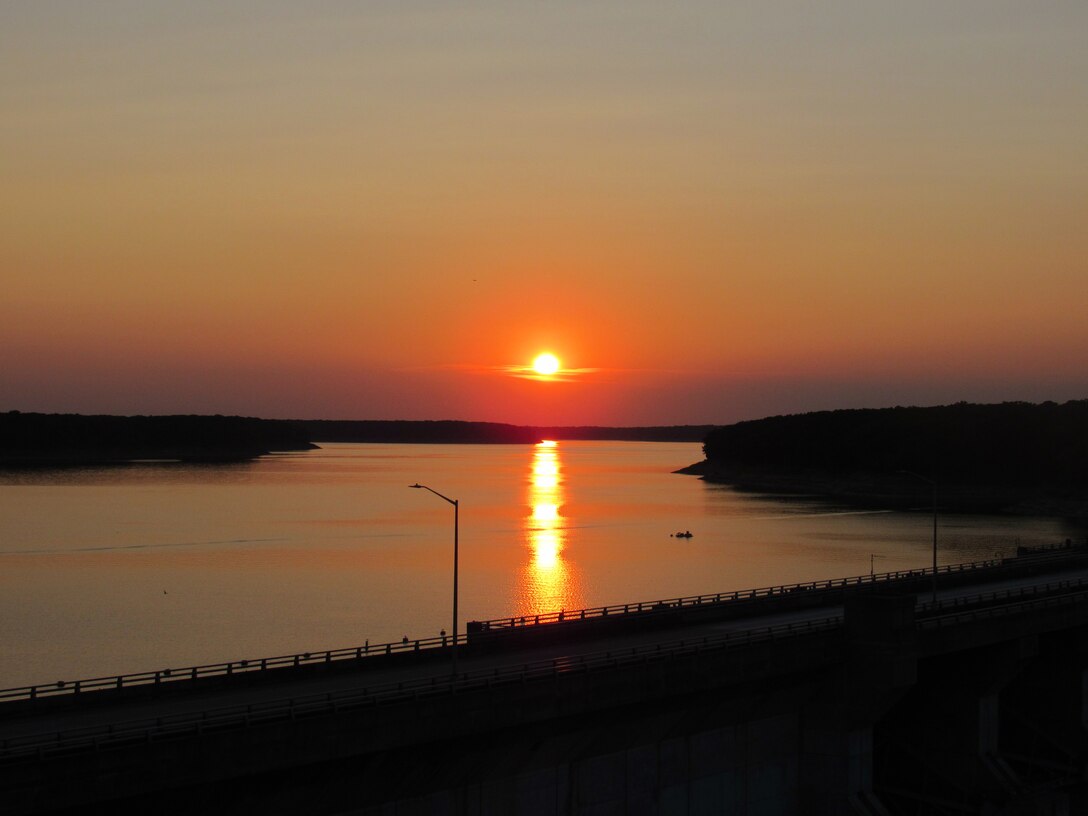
point(867, 695)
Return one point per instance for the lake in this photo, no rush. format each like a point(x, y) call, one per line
point(143, 567)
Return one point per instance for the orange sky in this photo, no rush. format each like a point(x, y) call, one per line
point(369, 212)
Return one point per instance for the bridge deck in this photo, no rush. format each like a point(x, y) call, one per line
point(16, 725)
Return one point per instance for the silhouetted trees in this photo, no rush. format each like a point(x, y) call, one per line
point(1012, 443)
point(437, 431)
point(650, 433)
point(29, 439)
point(442, 431)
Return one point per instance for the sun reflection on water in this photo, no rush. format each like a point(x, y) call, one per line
point(548, 581)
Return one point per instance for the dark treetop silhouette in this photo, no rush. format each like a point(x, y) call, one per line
point(441, 431)
point(73, 439)
point(1009, 456)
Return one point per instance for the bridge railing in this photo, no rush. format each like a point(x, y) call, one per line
point(141, 730)
point(1047, 549)
point(950, 605)
point(1034, 555)
point(1075, 596)
point(390, 692)
point(64, 688)
point(191, 673)
point(663, 604)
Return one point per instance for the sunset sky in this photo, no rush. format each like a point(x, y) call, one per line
point(708, 211)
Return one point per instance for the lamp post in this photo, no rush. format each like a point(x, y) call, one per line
point(873, 556)
point(934, 485)
point(455, 504)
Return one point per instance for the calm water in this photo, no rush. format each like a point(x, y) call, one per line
point(145, 567)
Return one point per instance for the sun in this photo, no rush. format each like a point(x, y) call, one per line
point(546, 364)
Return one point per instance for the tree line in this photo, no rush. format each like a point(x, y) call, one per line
point(1011, 443)
point(31, 438)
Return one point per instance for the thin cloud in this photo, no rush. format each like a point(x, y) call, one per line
point(527, 372)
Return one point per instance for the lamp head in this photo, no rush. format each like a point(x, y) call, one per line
point(417, 485)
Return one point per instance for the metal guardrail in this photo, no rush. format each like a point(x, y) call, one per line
point(1052, 588)
point(239, 716)
point(1076, 597)
point(63, 688)
point(1047, 549)
point(1034, 555)
point(154, 678)
point(616, 610)
point(1055, 594)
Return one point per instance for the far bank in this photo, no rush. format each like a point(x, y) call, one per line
point(1011, 458)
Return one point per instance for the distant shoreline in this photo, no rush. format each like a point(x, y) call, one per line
point(1010, 458)
point(74, 440)
point(31, 440)
point(890, 491)
point(465, 432)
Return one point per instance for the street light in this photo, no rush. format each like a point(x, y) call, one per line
point(455, 513)
point(934, 484)
point(873, 556)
